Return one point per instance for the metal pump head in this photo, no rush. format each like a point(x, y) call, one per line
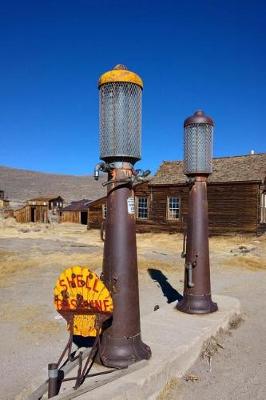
point(198, 143)
point(120, 115)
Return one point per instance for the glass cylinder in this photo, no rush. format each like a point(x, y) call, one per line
point(120, 121)
point(198, 144)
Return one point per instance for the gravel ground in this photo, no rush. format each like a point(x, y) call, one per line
point(238, 368)
point(32, 335)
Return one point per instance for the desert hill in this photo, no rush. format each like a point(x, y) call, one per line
point(20, 185)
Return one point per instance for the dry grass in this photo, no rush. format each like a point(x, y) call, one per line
point(40, 329)
point(236, 321)
point(211, 346)
point(225, 243)
point(9, 313)
point(162, 241)
point(145, 264)
point(64, 231)
point(156, 250)
point(31, 320)
point(171, 385)
point(250, 262)
point(12, 263)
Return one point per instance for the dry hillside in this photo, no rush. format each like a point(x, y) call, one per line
point(20, 185)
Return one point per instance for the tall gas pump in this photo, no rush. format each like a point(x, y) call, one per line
point(198, 140)
point(120, 148)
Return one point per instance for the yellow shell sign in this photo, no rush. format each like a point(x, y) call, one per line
point(80, 294)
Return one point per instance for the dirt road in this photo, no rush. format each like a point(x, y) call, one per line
point(32, 256)
point(238, 369)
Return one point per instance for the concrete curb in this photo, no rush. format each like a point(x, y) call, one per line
point(176, 341)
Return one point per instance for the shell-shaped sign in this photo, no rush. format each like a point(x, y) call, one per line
point(79, 294)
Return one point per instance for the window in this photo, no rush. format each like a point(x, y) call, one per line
point(142, 211)
point(173, 208)
point(104, 210)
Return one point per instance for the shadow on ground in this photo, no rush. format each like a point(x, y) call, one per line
point(168, 291)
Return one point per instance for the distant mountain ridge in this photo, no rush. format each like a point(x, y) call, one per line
point(20, 185)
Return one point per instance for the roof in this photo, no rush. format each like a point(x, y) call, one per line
point(79, 205)
point(45, 198)
point(250, 167)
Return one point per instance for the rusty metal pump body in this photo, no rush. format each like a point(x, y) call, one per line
point(197, 166)
point(120, 148)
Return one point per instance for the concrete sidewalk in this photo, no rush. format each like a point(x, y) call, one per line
point(176, 341)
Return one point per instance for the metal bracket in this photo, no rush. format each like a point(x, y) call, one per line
point(184, 250)
point(190, 181)
point(140, 175)
point(102, 166)
point(189, 268)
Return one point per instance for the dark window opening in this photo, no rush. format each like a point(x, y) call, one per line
point(33, 214)
point(84, 217)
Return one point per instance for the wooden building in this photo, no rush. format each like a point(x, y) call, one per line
point(236, 196)
point(4, 202)
point(97, 213)
point(40, 209)
point(76, 212)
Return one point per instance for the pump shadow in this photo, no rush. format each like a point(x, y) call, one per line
point(168, 291)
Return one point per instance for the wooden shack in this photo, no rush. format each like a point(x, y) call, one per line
point(236, 196)
point(4, 202)
point(97, 213)
point(76, 212)
point(40, 209)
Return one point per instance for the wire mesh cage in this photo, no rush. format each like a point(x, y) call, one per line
point(198, 140)
point(120, 121)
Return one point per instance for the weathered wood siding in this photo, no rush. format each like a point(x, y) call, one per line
point(70, 216)
point(8, 213)
point(25, 214)
point(157, 218)
point(233, 208)
point(95, 213)
point(4, 203)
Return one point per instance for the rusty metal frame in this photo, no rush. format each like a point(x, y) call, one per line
point(83, 369)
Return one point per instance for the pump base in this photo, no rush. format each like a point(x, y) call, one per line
point(121, 352)
point(195, 304)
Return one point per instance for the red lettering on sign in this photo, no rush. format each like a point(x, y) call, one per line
point(74, 302)
point(71, 283)
point(98, 304)
point(64, 305)
point(80, 282)
point(106, 303)
point(63, 284)
point(58, 302)
point(95, 285)
point(87, 283)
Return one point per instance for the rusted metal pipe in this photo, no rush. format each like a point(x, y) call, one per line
point(197, 286)
point(198, 141)
point(121, 343)
point(53, 380)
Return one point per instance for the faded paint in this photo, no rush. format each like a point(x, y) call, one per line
point(80, 292)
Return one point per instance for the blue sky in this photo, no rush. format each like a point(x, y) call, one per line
point(190, 54)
